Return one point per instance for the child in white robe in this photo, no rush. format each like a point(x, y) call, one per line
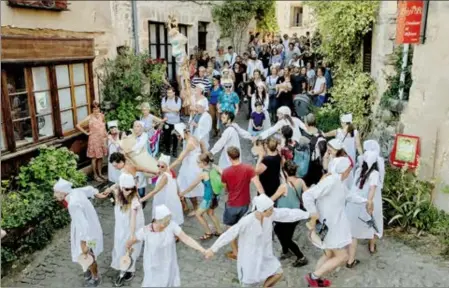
point(367, 184)
point(256, 262)
point(160, 261)
point(129, 218)
point(86, 235)
point(326, 203)
point(113, 146)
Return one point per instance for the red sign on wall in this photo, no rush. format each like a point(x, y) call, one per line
point(409, 20)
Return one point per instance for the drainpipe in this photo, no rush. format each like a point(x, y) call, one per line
point(135, 26)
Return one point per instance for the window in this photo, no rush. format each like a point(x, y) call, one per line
point(297, 16)
point(29, 97)
point(71, 82)
point(367, 51)
point(160, 46)
point(202, 35)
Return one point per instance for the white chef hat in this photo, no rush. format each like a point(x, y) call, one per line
point(203, 103)
point(339, 165)
point(371, 145)
point(370, 157)
point(284, 110)
point(63, 186)
point(336, 144)
point(160, 212)
point(179, 128)
point(346, 118)
point(140, 123)
point(165, 159)
point(112, 124)
point(126, 181)
point(262, 203)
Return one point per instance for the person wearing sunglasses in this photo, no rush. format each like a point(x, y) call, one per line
point(166, 191)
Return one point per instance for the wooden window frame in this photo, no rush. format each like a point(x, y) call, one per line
point(293, 18)
point(171, 63)
point(9, 139)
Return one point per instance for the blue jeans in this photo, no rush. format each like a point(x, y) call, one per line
point(319, 100)
point(141, 192)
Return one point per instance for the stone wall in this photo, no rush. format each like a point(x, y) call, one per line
point(284, 18)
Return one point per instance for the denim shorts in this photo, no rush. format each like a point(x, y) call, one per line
point(232, 215)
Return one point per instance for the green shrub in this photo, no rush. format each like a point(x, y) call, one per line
point(29, 213)
point(327, 119)
point(126, 113)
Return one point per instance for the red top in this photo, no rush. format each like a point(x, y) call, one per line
point(238, 180)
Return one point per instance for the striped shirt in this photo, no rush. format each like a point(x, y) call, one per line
point(205, 81)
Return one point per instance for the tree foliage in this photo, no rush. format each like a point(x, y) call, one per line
point(234, 18)
point(342, 25)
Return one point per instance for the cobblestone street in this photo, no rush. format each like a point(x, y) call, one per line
point(394, 265)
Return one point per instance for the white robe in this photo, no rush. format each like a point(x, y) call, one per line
point(203, 129)
point(122, 233)
point(359, 229)
point(348, 144)
point(160, 261)
point(189, 171)
point(141, 143)
point(328, 199)
point(85, 225)
point(168, 196)
point(283, 122)
point(113, 173)
point(267, 121)
point(255, 260)
point(230, 137)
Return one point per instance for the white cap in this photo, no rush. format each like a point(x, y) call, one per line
point(63, 186)
point(127, 181)
point(371, 145)
point(161, 211)
point(346, 118)
point(179, 128)
point(140, 122)
point(203, 103)
point(201, 86)
point(339, 165)
point(262, 203)
point(112, 124)
point(336, 144)
point(164, 159)
point(284, 110)
point(370, 157)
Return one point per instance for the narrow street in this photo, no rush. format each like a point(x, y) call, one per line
point(394, 265)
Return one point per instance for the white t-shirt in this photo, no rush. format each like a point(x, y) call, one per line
point(319, 81)
point(172, 117)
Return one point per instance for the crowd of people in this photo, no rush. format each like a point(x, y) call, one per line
point(331, 178)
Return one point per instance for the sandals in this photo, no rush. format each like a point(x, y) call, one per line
point(353, 264)
point(216, 234)
point(206, 236)
point(98, 179)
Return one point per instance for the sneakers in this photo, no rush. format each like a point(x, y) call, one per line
point(285, 256)
point(300, 262)
point(318, 282)
point(93, 282)
point(119, 281)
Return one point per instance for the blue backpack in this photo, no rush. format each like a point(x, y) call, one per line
point(301, 157)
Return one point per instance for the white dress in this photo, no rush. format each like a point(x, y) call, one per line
point(348, 143)
point(189, 171)
point(160, 261)
point(267, 121)
point(359, 229)
point(230, 137)
point(283, 122)
point(255, 260)
point(141, 143)
point(328, 199)
point(168, 196)
point(113, 173)
point(85, 225)
point(122, 233)
point(204, 126)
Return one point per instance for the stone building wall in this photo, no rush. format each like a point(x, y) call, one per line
point(284, 10)
point(426, 113)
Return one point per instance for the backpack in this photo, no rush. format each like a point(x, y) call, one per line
point(301, 157)
point(318, 147)
point(215, 181)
